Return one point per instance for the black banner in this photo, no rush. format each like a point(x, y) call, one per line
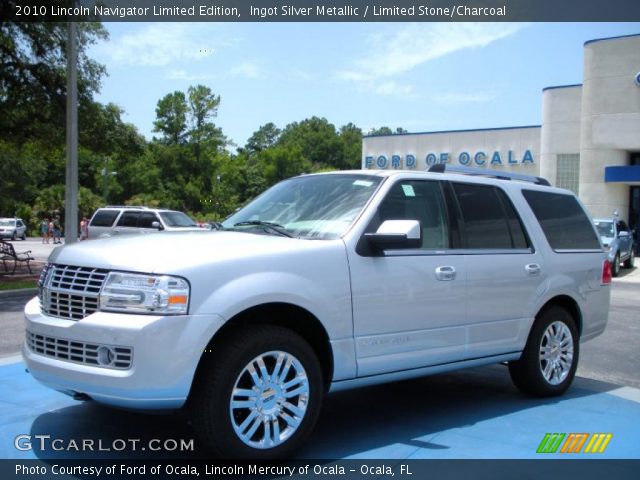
point(321, 10)
point(323, 469)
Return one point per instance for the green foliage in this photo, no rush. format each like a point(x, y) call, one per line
point(171, 118)
point(386, 131)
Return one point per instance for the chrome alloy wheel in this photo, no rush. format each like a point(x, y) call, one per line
point(556, 353)
point(269, 400)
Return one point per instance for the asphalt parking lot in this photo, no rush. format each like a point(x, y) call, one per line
point(475, 413)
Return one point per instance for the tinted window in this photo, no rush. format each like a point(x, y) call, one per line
point(422, 201)
point(104, 218)
point(622, 227)
point(519, 237)
point(486, 225)
point(564, 222)
point(129, 219)
point(146, 219)
point(177, 219)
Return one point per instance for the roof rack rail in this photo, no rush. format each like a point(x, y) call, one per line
point(486, 172)
point(142, 207)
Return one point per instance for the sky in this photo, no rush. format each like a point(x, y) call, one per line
point(418, 76)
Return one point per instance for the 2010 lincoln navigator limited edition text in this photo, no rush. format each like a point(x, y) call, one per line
point(324, 282)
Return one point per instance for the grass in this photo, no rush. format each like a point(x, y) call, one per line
point(17, 284)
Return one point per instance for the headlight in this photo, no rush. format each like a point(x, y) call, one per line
point(135, 293)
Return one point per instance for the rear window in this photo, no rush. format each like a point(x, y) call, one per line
point(104, 218)
point(563, 221)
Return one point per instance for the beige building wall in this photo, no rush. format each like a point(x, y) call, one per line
point(610, 121)
point(560, 133)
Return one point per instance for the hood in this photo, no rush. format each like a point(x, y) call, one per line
point(170, 252)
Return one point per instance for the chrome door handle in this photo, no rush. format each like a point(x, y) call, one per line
point(446, 273)
point(533, 269)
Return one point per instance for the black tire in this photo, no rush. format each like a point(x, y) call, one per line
point(14, 237)
point(615, 268)
point(225, 368)
point(528, 372)
point(24, 236)
point(630, 262)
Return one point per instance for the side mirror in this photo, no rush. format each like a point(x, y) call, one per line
point(394, 234)
point(156, 224)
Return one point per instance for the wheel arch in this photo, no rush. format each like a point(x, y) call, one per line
point(567, 303)
point(286, 315)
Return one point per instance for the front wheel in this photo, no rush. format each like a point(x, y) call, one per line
point(258, 395)
point(550, 358)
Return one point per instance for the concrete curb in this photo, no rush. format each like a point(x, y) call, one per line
point(21, 293)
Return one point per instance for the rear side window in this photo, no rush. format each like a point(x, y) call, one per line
point(146, 219)
point(563, 221)
point(104, 218)
point(489, 219)
point(129, 219)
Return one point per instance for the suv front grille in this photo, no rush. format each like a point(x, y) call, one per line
point(80, 352)
point(70, 292)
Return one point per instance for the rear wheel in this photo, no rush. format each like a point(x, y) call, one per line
point(629, 262)
point(259, 395)
point(550, 358)
point(615, 268)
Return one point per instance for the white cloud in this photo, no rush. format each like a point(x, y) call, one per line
point(399, 51)
point(190, 77)
point(452, 98)
point(246, 69)
point(393, 88)
point(159, 45)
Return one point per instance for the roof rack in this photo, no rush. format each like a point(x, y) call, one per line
point(128, 206)
point(486, 172)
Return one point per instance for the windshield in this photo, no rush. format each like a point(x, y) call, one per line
point(177, 219)
point(313, 206)
point(7, 223)
point(605, 228)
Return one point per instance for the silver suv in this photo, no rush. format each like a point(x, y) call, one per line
point(618, 241)
point(324, 282)
point(122, 220)
point(13, 228)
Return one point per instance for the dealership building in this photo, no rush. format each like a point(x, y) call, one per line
point(589, 140)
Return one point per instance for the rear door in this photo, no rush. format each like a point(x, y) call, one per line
point(504, 271)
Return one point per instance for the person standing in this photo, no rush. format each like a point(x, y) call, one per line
point(57, 230)
point(84, 229)
point(44, 230)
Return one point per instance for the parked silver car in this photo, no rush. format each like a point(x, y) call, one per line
point(124, 220)
point(324, 282)
point(618, 241)
point(13, 228)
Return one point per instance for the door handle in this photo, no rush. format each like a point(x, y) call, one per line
point(446, 273)
point(533, 269)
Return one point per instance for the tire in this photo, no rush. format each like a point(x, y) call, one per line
point(248, 429)
point(24, 236)
point(630, 262)
point(537, 376)
point(615, 268)
point(14, 237)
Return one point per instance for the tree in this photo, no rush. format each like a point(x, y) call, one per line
point(316, 139)
point(33, 76)
point(203, 105)
point(265, 137)
point(171, 118)
point(386, 131)
point(351, 137)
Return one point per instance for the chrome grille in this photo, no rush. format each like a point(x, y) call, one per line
point(70, 292)
point(80, 352)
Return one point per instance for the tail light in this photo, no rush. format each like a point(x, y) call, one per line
point(606, 272)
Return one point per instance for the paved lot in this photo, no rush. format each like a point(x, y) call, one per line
point(475, 413)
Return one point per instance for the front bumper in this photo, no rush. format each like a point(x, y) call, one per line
point(166, 351)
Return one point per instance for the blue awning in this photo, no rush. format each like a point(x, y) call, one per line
point(622, 174)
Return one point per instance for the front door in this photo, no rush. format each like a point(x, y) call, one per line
point(409, 306)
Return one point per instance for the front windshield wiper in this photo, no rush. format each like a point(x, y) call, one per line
point(274, 227)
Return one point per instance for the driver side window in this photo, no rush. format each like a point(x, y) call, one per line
point(423, 201)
